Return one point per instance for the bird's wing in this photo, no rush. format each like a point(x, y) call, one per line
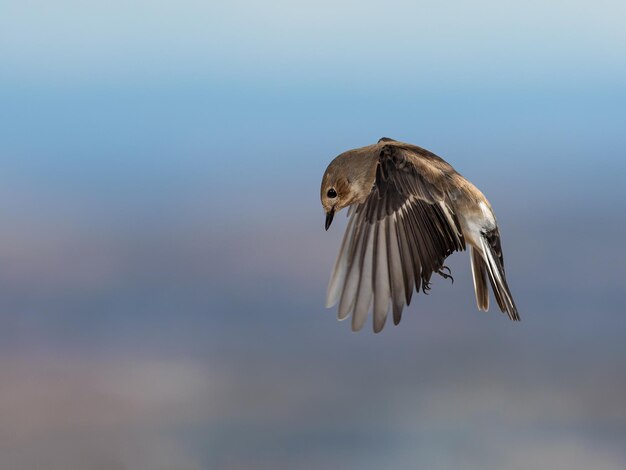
point(395, 239)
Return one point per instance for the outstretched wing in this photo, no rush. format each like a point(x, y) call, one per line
point(396, 239)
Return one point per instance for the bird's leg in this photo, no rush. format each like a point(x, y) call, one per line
point(445, 275)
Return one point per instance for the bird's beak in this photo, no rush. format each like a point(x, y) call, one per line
point(329, 217)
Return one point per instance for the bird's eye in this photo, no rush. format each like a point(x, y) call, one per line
point(331, 193)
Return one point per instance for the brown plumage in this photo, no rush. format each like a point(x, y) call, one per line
point(409, 210)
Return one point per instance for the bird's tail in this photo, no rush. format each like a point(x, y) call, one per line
point(487, 262)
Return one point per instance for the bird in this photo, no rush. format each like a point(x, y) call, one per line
point(408, 211)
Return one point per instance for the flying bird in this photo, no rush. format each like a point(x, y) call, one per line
point(408, 211)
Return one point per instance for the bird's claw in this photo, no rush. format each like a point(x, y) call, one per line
point(445, 275)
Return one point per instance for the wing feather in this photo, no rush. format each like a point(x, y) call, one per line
point(395, 268)
point(351, 284)
point(337, 280)
point(364, 293)
point(381, 275)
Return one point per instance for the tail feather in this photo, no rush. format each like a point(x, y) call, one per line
point(492, 260)
point(479, 271)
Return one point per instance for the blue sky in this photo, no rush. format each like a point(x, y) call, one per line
point(163, 261)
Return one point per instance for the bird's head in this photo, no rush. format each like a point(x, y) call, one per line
point(336, 193)
point(347, 180)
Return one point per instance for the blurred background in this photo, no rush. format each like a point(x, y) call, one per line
point(163, 261)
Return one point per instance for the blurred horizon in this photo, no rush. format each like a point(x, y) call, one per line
point(163, 261)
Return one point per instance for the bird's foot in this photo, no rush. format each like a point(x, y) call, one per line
point(445, 275)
